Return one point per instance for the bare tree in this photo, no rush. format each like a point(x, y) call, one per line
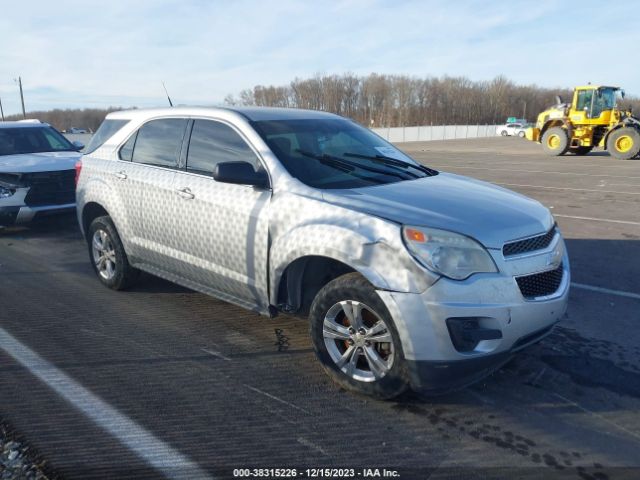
point(400, 100)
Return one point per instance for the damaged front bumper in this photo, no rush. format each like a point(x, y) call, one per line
point(457, 332)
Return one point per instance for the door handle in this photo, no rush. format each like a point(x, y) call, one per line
point(121, 175)
point(185, 193)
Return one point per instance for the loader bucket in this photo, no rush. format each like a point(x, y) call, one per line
point(532, 134)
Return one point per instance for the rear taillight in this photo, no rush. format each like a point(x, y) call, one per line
point(78, 170)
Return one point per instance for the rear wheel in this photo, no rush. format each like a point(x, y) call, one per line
point(355, 339)
point(624, 143)
point(580, 150)
point(555, 141)
point(107, 255)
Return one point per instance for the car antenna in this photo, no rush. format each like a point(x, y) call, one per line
point(168, 97)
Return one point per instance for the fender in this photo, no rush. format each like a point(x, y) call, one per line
point(555, 122)
point(376, 253)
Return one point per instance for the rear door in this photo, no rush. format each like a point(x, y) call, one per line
point(224, 227)
point(153, 152)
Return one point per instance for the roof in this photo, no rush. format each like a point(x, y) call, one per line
point(272, 113)
point(251, 113)
point(595, 87)
point(24, 124)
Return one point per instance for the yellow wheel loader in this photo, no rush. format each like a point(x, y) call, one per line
point(592, 119)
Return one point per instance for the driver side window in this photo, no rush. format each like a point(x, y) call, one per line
point(214, 142)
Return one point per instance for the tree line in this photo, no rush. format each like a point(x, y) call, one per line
point(400, 100)
point(87, 118)
point(377, 101)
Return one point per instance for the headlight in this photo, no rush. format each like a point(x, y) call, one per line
point(6, 192)
point(450, 254)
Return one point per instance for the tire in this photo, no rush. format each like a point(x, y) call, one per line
point(580, 150)
point(504, 133)
point(371, 367)
point(521, 134)
point(107, 255)
point(555, 141)
point(624, 143)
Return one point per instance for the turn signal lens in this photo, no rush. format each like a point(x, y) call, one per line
point(414, 235)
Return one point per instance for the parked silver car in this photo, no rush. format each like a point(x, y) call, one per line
point(36, 171)
point(409, 276)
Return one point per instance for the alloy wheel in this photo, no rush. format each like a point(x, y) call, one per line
point(358, 341)
point(104, 254)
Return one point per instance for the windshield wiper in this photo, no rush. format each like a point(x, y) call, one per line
point(336, 161)
point(390, 161)
point(329, 161)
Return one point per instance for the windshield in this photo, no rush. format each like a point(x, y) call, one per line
point(337, 153)
point(14, 141)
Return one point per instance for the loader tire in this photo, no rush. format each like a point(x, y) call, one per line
point(555, 141)
point(624, 143)
point(580, 150)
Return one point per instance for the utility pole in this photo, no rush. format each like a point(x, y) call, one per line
point(1, 110)
point(524, 111)
point(24, 113)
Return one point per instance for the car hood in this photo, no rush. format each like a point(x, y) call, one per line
point(38, 162)
point(486, 212)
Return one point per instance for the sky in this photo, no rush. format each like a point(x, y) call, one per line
point(116, 53)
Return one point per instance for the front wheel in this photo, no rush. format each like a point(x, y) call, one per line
point(107, 255)
point(521, 134)
point(504, 133)
point(355, 339)
point(555, 141)
point(624, 143)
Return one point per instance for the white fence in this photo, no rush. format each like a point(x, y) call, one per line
point(435, 132)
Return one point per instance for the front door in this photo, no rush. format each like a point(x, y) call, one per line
point(224, 228)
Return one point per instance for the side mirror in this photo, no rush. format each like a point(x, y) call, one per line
point(558, 100)
point(241, 173)
point(622, 93)
point(79, 145)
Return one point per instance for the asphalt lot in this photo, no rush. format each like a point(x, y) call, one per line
point(229, 389)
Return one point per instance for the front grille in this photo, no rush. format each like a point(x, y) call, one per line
point(540, 284)
point(529, 244)
point(50, 188)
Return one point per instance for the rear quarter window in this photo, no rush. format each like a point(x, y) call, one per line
point(107, 130)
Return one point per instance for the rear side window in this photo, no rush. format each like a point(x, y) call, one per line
point(159, 142)
point(214, 142)
point(126, 152)
point(107, 130)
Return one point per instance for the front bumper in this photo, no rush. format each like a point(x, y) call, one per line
point(14, 215)
point(494, 302)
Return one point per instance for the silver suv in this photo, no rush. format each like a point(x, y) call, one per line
point(410, 277)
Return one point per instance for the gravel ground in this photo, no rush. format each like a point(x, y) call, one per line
point(17, 460)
